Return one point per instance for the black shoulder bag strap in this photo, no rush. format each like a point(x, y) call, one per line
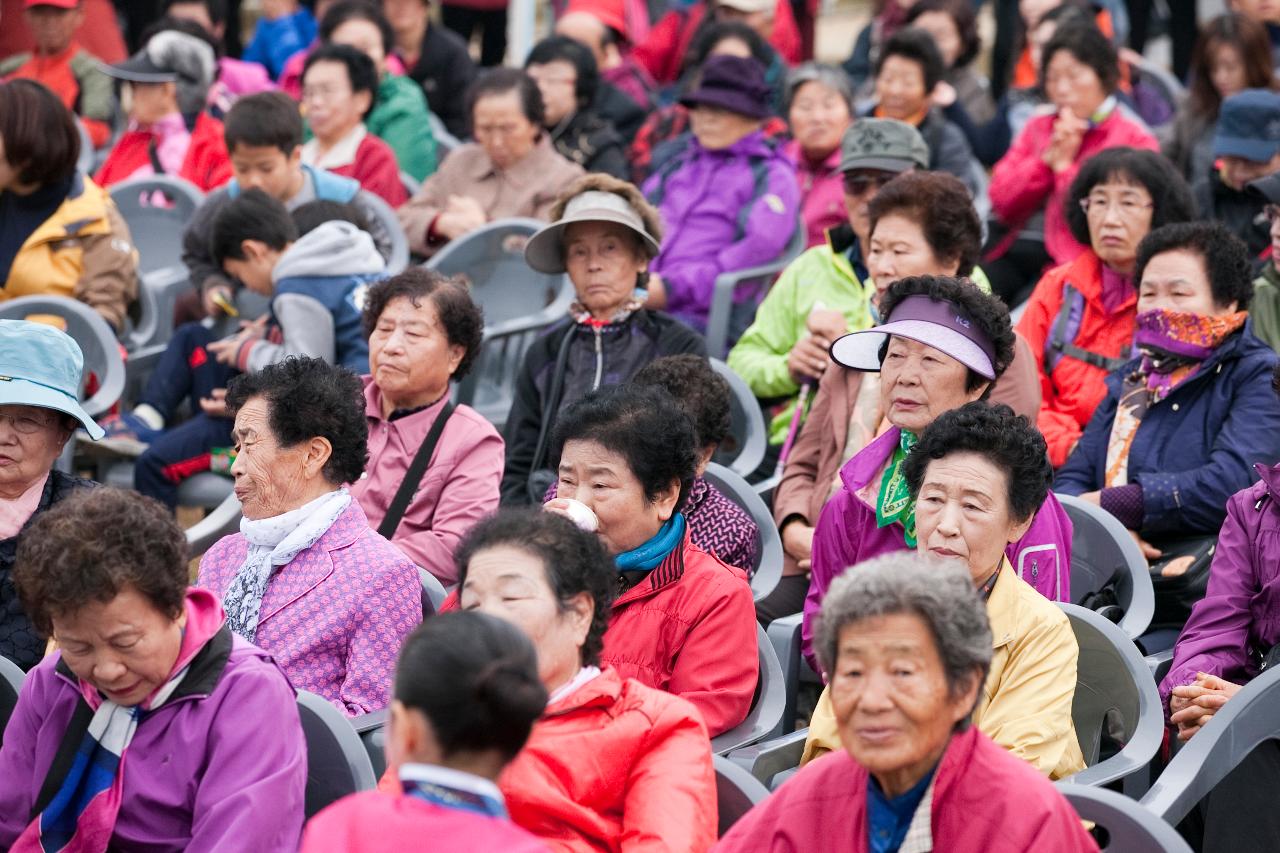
point(413, 476)
point(1058, 337)
point(551, 403)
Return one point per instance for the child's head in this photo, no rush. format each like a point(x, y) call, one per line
point(53, 23)
point(263, 133)
point(249, 236)
point(466, 694)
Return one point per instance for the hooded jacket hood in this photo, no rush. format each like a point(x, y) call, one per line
point(335, 248)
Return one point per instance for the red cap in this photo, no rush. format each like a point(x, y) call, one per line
point(60, 4)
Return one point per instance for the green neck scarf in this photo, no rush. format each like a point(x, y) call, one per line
point(894, 502)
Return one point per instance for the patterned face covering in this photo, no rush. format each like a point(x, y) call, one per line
point(894, 502)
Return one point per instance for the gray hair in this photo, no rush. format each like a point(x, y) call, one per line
point(816, 72)
point(940, 592)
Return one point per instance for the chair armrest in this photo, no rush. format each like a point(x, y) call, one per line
point(1160, 663)
point(369, 722)
point(768, 759)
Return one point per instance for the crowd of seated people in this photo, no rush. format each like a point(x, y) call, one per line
point(503, 543)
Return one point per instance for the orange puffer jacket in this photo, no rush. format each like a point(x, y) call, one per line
point(1072, 386)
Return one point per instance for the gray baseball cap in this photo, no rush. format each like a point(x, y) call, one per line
point(883, 143)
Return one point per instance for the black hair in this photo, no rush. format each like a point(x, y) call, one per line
point(916, 45)
point(941, 205)
point(575, 562)
point(361, 71)
point(41, 140)
point(252, 215)
point(217, 9)
point(475, 678)
point(1088, 45)
point(985, 311)
point(1169, 192)
point(357, 10)
point(460, 316)
point(962, 17)
point(308, 397)
point(1225, 257)
point(712, 32)
point(500, 81)
point(577, 54)
point(702, 393)
point(263, 120)
point(185, 26)
point(310, 216)
point(1008, 441)
point(642, 424)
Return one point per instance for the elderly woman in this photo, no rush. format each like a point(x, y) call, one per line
point(683, 620)
point(604, 236)
point(177, 723)
point(612, 759)
point(339, 88)
point(819, 110)
point(953, 26)
point(730, 198)
point(978, 476)
point(467, 694)
point(1079, 320)
point(567, 75)
point(1185, 420)
point(61, 234)
point(169, 132)
point(943, 344)
point(510, 170)
point(908, 647)
point(306, 578)
point(1079, 71)
point(39, 410)
point(921, 223)
point(425, 333)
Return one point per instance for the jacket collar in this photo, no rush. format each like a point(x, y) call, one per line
point(1003, 611)
point(670, 570)
point(306, 575)
point(869, 461)
point(530, 169)
point(1270, 475)
point(1235, 347)
point(600, 692)
point(414, 426)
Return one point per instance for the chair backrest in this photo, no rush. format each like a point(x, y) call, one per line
point(1243, 723)
point(11, 678)
point(433, 592)
point(446, 142)
point(96, 339)
point(337, 763)
point(84, 163)
point(1116, 698)
point(157, 210)
point(1102, 551)
point(736, 792)
point(764, 720)
point(372, 729)
point(222, 521)
point(748, 433)
point(1130, 827)
point(727, 319)
point(767, 570)
point(158, 292)
point(399, 258)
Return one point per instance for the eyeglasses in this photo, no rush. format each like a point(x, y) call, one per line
point(1126, 206)
point(859, 184)
point(1272, 212)
point(25, 424)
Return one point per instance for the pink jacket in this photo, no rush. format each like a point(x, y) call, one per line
point(459, 488)
point(821, 193)
point(1023, 184)
point(335, 616)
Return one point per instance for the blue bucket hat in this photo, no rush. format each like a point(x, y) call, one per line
point(41, 366)
point(1249, 126)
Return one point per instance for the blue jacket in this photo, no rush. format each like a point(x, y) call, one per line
point(274, 41)
point(1195, 448)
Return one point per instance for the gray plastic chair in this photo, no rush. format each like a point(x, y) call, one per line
point(1130, 827)
point(158, 292)
point(398, 258)
point(157, 229)
point(765, 717)
point(433, 592)
point(772, 761)
point(737, 791)
point(785, 637)
point(11, 678)
point(222, 521)
point(446, 142)
point(1241, 725)
point(96, 339)
point(1115, 695)
point(767, 570)
point(720, 335)
point(749, 434)
point(337, 763)
point(1102, 550)
point(85, 162)
point(372, 729)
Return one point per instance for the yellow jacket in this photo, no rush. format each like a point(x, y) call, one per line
point(82, 251)
point(1026, 702)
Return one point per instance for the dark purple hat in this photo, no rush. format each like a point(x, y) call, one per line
point(732, 83)
point(938, 323)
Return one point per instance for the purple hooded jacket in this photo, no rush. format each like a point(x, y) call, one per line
point(1239, 615)
point(221, 766)
point(724, 210)
point(847, 535)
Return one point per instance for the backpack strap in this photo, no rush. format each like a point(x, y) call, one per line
point(1058, 346)
point(664, 172)
point(760, 183)
point(412, 477)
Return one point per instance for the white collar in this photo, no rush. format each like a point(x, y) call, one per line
point(343, 152)
point(459, 780)
point(584, 675)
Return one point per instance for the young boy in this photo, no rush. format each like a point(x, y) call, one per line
point(64, 67)
point(315, 282)
point(263, 133)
